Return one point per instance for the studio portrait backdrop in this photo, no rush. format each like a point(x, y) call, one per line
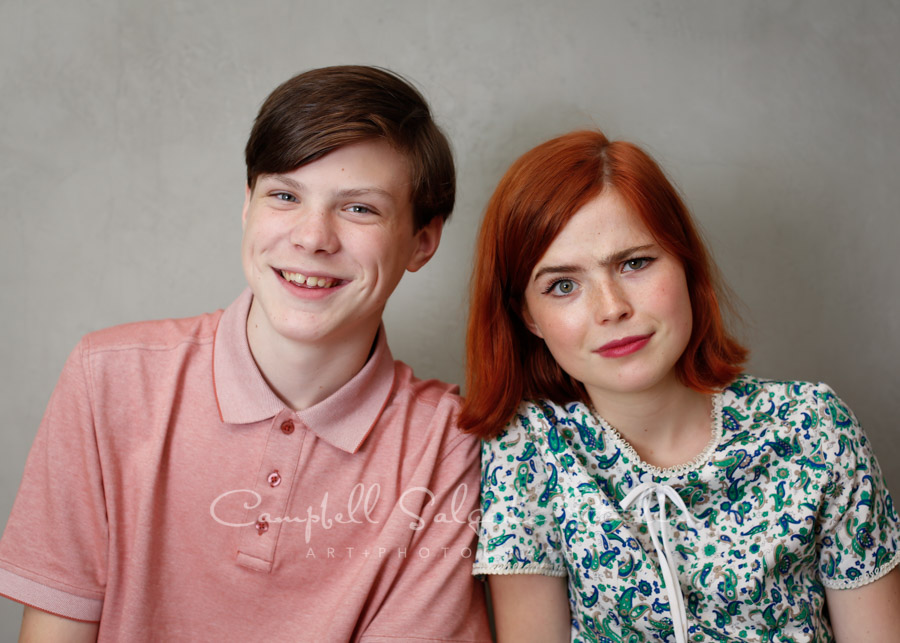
point(122, 176)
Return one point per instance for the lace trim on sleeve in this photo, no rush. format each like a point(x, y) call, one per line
point(502, 569)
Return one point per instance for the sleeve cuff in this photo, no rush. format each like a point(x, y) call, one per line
point(491, 569)
point(865, 579)
point(49, 599)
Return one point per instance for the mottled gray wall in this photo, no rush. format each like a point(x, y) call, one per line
point(121, 176)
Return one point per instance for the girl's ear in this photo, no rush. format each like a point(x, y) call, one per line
point(529, 321)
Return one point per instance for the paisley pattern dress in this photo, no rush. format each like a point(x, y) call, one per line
point(786, 499)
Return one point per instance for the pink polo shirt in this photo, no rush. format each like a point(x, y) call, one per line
point(172, 496)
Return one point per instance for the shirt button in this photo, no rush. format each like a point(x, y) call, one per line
point(261, 527)
point(274, 478)
point(287, 427)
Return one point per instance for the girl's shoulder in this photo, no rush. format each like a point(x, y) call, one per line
point(534, 418)
point(806, 419)
point(548, 427)
point(780, 398)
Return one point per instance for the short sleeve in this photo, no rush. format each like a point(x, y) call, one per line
point(859, 531)
point(53, 551)
point(518, 534)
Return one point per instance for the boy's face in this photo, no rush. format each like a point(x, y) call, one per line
point(325, 245)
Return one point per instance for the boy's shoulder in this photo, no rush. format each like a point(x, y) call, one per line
point(428, 392)
point(160, 334)
point(431, 408)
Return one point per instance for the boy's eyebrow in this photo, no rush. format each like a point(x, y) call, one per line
point(341, 194)
point(283, 178)
point(612, 259)
point(363, 191)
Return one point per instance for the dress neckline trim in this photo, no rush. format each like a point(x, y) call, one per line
point(697, 462)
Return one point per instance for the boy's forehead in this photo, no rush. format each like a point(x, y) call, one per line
point(371, 167)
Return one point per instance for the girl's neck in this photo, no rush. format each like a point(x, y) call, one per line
point(667, 426)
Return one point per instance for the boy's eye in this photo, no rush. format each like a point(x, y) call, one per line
point(284, 196)
point(359, 209)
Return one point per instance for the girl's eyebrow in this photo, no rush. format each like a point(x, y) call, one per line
point(622, 255)
point(614, 258)
point(547, 270)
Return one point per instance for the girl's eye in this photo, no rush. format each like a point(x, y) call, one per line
point(359, 209)
point(561, 287)
point(284, 196)
point(636, 264)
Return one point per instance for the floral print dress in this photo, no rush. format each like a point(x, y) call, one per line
point(786, 499)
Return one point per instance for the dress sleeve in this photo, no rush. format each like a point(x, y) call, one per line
point(858, 531)
point(518, 534)
point(53, 551)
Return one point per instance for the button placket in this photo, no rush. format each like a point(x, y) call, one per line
point(283, 446)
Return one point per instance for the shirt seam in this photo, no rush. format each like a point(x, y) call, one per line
point(157, 348)
point(456, 442)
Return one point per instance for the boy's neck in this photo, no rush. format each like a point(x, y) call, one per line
point(303, 375)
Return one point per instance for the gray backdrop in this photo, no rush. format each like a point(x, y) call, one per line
point(121, 173)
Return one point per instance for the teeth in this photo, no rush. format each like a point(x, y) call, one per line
point(309, 282)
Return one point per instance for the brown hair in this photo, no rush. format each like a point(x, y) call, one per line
point(534, 201)
point(321, 110)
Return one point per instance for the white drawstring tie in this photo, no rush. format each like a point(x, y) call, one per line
point(643, 494)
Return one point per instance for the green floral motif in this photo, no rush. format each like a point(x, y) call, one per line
point(786, 500)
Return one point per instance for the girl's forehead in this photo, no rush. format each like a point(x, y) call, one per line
point(604, 224)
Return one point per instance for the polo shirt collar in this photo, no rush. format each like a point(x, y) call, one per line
point(344, 419)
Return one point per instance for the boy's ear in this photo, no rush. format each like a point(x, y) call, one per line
point(427, 241)
point(247, 193)
point(529, 321)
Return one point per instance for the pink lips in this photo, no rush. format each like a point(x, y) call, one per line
point(624, 346)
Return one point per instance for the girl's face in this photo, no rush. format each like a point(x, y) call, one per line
point(611, 305)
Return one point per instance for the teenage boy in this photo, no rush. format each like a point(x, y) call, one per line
point(269, 472)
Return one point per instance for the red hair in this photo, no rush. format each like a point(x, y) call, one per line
point(534, 201)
